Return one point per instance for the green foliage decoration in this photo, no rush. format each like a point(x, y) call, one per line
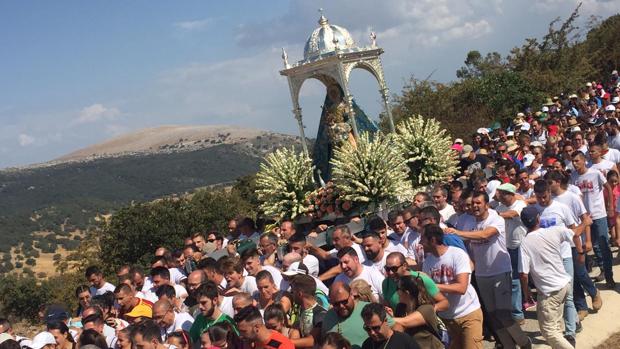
point(373, 172)
point(426, 148)
point(284, 182)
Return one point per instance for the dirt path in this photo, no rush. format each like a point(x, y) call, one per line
point(600, 330)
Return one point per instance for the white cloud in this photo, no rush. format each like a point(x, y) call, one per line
point(96, 112)
point(194, 25)
point(25, 140)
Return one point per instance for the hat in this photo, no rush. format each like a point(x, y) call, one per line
point(483, 131)
point(296, 268)
point(458, 141)
point(528, 159)
point(536, 144)
point(56, 312)
point(572, 122)
point(492, 188)
point(520, 115)
point(525, 127)
point(550, 161)
point(553, 130)
point(507, 187)
point(483, 151)
point(539, 113)
point(456, 146)
point(510, 134)
point(615, 72)
point(545, 109)
point(589, 84)
point(548, 102)
point(599, 122)
point(140, 310)
point(615, 100)
point(511, 145)
point(573, 96)
point(42, 339)
point(5, 337)
point(599, 86)
point(466, 150)
point(575, 129)
point(610, 108)
point(529, 215)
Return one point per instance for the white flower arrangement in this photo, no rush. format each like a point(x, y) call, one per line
point(426, 148)
point(373, 172)
point(284, 182)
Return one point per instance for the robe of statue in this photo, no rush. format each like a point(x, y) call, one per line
point(334, 112)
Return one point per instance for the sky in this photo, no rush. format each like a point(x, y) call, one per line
point(75, 73)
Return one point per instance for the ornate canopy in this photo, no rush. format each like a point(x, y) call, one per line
point(330, 55)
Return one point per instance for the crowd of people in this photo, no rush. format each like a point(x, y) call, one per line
point(533, 211)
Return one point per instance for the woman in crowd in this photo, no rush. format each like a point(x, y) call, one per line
point(60, 331)
point(334, 340)
point(82, 293)
point(361, 291)
point(416, 313)
point(123, 338)
point(92, 337)
point(275, 319)
point(179, 339)
point(223, 336)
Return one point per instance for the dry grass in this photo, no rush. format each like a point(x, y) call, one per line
point(45, 262)
point(612, 342)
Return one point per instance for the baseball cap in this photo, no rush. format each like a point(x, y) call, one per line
point(528, 159)
point(483, 131)
point(525, 127)
point(536, 144)
point(458, 141)
point(56, 312)
point(615, 100)
point(507, 187)
point(296, 268)
point(510, 134)
point(573, 96)
point(589, 84)
point(545, 109)
point(529, 215)
point(140, 310)
point(42, 339)
point(456, 146)
point(610, 108)
point(492, 188)
point(599, 86)
point(466, 150)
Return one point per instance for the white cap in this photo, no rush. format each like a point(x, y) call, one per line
point(296, 268)
point(615, 100)
point(610, 108)
point(528, 159)
point(589, 84)
point(510, 134)
point(525, 127)
point(492, 188)
point(615, 72)
point(483, 131)
point(42, 339)
point(458, 141)
point(520, 115)
point(575, 129)
point(536, 144)
point(545, 109)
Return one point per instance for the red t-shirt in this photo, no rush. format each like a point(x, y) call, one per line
point(276, 341)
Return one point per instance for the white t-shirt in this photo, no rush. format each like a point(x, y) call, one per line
point(443, 270)
point(603, 166)
point(368, 274)
point(591, 185)
point(490, 255)
point(447, 212)
point(249, 285)
point(176, 276)
point(415, 250)
point(612, 155)
point(515, 230)
point(312, 263)
point(226, 306)
point(558, 214)
point(110, 336)
point(360, 252)
point(541, 258)
point(378, 265)
point(614, 141)
point(182, 321)
point(528, 193)
point(395, 247)
point(573, 202)
point(99, 291)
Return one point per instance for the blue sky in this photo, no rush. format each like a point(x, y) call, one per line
point(74, 73)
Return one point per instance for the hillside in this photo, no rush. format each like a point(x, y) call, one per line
point(62, 197)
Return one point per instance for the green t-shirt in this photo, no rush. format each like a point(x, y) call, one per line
point(202, 324)
point(350, 328)
point(389, 288)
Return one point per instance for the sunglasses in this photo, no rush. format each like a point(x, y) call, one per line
point(373, 328)
point(340, 303)
point(211, 240)
point(392, 269)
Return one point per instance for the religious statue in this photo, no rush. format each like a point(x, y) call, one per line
point(335, 129)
